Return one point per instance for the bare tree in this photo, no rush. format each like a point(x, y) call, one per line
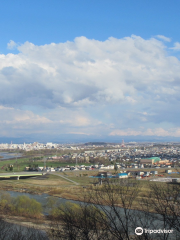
point(164, 201)
point(80, 221)
point(105, 214)
point(9, 231)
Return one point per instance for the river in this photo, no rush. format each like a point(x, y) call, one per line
point(141, 219)
point(43, 199)
point(7, 155)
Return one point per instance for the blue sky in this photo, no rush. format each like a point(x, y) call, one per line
point(95, 69)
point(43, 22)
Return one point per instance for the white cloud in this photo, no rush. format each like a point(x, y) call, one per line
point(166, 39)
point(11, 44)
point(89, 86)
point(176, 46)
point(15, 122)
point(128, 132)
point(160, 132)
point(81, 133)
point(86, 71)
point(78, 121)
point(16, 116)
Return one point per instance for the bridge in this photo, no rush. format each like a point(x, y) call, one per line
point(19, 174)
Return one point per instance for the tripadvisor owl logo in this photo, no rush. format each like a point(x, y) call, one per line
point(139, 231)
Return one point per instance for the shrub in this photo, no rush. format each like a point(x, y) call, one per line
point(25, 206)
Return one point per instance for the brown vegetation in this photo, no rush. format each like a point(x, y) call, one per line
point(20, 206)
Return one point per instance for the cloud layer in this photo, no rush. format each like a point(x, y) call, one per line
point(93, 87)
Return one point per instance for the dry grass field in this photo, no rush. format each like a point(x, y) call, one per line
point(51, 184)
point(57, 186)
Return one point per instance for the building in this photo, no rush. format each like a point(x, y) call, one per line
point(139, 173)
point(121, 175)
point(49, 144)
point(166, 162)
point(104, 174)
point(152, 160)
point(154, 172)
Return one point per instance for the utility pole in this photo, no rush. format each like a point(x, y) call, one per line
point(16, 161)
point(44, 163)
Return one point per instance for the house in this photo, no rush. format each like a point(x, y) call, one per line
point(104, 174)
point(132, 173)
point(140, 173)
point(103, 167)
point(40, 169)
point(135, 166)
point(121, 175)
point(154, 172)
point(82, 168)
point(50, 169)
point(74, 168)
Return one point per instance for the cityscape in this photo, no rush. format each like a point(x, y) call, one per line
point(75, 172)
point(101, 156)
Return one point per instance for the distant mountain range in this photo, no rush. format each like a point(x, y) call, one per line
point(79, 138)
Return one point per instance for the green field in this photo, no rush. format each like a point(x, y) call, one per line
point(19, 164)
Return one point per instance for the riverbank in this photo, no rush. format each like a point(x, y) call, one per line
point(50, 184)
point(43, 223)
point(55, 186)
point(40, 224)
point(84, 197)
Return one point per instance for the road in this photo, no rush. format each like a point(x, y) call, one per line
point(59, 175)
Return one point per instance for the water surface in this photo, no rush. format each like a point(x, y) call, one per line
point(7, 155)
